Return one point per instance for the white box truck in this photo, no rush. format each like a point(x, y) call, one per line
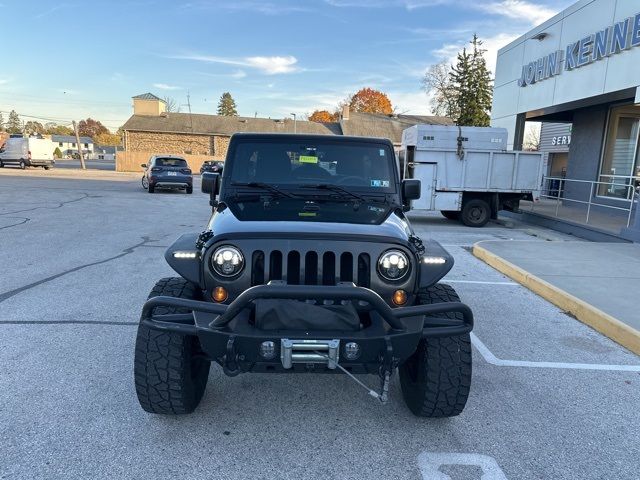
point(467, 173)
point(27, 152)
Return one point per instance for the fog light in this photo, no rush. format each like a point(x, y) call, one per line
point(434, 260)
point(268, 350)
point(400, 297)
point(219, 294)
point(351, 351)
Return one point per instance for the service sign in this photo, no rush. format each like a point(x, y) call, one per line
point(612, 40)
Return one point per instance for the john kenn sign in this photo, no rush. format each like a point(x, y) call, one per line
point(613, 40)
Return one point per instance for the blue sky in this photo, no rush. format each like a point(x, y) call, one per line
point(275, 56)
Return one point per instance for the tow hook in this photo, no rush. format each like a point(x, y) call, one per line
point(229, 361)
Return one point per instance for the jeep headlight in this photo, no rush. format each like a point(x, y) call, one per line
point(227, 261)
point(393, 265)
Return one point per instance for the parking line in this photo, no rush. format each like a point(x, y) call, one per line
point(479, 282)
point(493, 360)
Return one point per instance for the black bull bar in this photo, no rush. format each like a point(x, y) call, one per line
point(433, 326)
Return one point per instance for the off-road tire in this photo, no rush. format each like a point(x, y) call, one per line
point(436, 379)
point(170, 370)
point(450, 214)
point(475, 213)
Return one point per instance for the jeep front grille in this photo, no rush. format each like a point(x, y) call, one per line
point(310, 267)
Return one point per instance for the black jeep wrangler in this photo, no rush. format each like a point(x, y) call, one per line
point(308, 264)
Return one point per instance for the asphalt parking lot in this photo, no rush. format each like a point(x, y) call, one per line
point(550, 398)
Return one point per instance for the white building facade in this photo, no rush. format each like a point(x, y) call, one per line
point(581, 68)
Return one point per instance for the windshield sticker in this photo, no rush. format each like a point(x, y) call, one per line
point(380, 183)
point(308, 159)
point(382, 152)
point(307, 214)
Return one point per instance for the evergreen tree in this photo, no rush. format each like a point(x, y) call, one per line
point(14, 125)
point(227, 106)
point(473, 85)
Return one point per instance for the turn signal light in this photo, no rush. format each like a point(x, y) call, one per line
point(399, 297)
point(219, 294)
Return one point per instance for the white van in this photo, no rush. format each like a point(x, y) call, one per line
point(27, 152)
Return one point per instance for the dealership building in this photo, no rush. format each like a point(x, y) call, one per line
point(579, 73)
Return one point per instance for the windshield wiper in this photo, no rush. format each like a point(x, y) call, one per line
point(336, 189)
point(264, 186)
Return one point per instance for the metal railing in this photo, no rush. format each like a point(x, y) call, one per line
point(555, 189)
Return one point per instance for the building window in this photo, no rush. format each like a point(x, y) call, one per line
point(73, 145)
point(621, 153)
point(86, 145)
point(60, 144)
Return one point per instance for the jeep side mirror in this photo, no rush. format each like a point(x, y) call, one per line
point(210, 183)
point(144, 165)
point(411, 189)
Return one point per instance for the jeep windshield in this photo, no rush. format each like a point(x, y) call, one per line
point(315, 168)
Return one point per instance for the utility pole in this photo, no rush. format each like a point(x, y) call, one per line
point(295, 123)
point(75, 128)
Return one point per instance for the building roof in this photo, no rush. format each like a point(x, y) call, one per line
point(148, 96)
point(70, 139)
point(107, 149)
point(221, 125)
point(385, 126)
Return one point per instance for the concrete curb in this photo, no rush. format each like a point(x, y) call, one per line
point(604, 323)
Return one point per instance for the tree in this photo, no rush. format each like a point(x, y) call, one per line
point(57, 153)
point(52, 128)
point(437, 83)
point(323, 116)
point(227, 105)
point(473, 85)
point(33, 128)
point(171, 105)
point(108, 139)
point(14, 125)
point(368, 100)
point(91, 128)
point(532, 136)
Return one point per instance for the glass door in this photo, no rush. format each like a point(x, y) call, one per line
point(620, 160)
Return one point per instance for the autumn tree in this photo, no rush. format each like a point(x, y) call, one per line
point(171, 105)
point(91, 128)
point(14, 125)
point(227, 105)
point(323, 116)
point(34, 128)
point(52, 128)
point(368, 100)
point(438, 85)
point(108, 139)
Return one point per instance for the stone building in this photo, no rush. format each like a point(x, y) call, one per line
point(152, 130)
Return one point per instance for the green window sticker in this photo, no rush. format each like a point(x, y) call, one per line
point(307, 214)
point(308, 159)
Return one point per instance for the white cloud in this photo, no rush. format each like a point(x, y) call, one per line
point(238, 74)
point(408, 4)
point(252, 6)
point(267, 65)
point(164, 86)
point(449, 52)
point(519, 10)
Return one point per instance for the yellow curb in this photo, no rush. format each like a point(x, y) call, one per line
point(604, 323)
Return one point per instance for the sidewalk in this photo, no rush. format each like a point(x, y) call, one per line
point(598, 283)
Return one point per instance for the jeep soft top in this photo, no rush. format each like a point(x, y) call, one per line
point(308, 264)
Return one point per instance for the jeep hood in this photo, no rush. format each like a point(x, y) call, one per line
point(309, 218)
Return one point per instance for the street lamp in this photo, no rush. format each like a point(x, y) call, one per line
point(295, 123)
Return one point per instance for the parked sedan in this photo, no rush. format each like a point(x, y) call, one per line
point(212, 166)
point(167, 171)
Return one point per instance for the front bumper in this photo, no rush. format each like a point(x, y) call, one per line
point(228, 337)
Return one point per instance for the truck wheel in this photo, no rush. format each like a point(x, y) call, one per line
point(476, 213)
point(46, 167)
point(22, 165)
point(1, 164)
point(190, 189)
point(450, 214)
point(436, 379)
point(169, 370)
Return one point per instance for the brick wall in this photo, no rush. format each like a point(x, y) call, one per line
point(177, 143)
point(130, 161)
